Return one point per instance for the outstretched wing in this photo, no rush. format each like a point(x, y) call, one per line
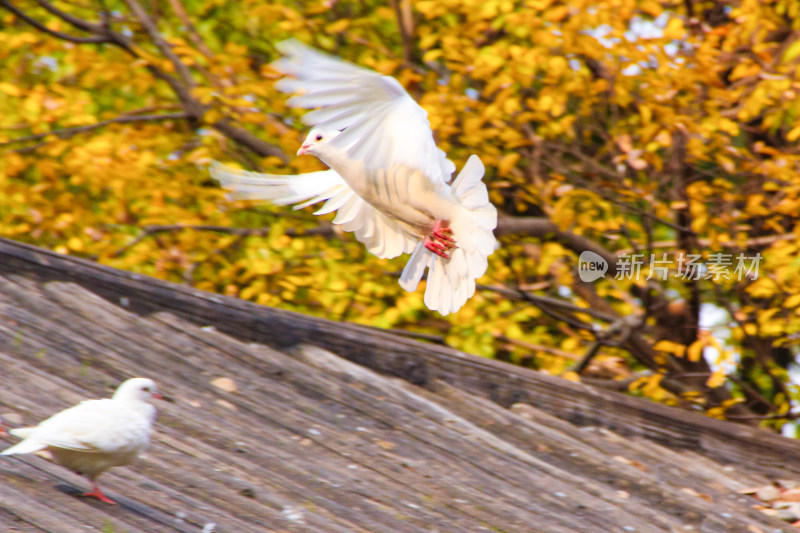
point(381, 235)
point(382, 125)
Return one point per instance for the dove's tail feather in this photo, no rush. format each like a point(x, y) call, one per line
point(451, 282)
point(26, 446)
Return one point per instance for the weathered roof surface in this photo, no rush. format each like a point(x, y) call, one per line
point(312, 441)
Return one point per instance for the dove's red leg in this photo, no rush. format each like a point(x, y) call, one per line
point(443, 233)
point(97, 493)
point(435, 247)
point(440, 240)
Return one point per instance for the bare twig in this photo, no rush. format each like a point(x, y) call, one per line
point(152, 30)
point(77, 22)
point(584, 361)
point(194, 35)
point(546, 301)
point(537, 347)
point(544, 227)
point(245, 138)
point(787, 416)
point(611, 175)
point(615, 334)
point(405, 23)
point(70, 132)
point(704, 243)
point(55, 33)
point(149, 109)
point(437, 339)
point(148, 231)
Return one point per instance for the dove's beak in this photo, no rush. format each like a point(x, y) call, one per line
point(303, 149)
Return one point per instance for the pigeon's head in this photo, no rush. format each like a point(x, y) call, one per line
point(317, 138)
point(137, 390)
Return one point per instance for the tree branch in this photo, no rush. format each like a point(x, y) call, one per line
point(547, 301)
point(97, 39)
point(620, 328)
point(537, 347)
point(70, 132)
point(544, 228)
point(152, 30)
point(77, 22)
point(405, 23)
point(787, 416)
point(194, 35)
point(247, 139)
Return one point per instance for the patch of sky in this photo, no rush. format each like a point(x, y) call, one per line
point(641, 28)
point(48, 62)
point(601, 34)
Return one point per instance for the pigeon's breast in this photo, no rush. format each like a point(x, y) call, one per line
point(405, 195)
point(92, 464)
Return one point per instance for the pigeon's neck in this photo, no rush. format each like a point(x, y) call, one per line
point(335, 158)
point(144, 409)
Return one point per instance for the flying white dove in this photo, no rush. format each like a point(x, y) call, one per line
point(387, 179)
point(96, 435)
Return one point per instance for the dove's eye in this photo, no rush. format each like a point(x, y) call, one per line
point(319, 137)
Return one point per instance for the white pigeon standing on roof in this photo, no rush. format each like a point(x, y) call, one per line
point(96, 435)
point(387, 179)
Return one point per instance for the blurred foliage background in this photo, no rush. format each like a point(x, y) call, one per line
point(662, 128)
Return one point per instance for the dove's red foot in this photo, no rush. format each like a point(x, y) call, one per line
point(97, 493)
point(444, 234)
point(437, 248)
point(440, 241)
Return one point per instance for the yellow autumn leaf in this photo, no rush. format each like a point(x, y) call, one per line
point(337, 27)
point(755, 205)
point(652, 386)
point(762, 288)
point(695, 350)
point(337, 285)
point(674, 348)
point(716, 379)
point(792, 51)
point(99, 145)
point(557, 13)
point(651, 7)
point(506, 163)
point(674, 29)
point(432, 55)
point(792, 301)
point(75, 244)
point(10, 89)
